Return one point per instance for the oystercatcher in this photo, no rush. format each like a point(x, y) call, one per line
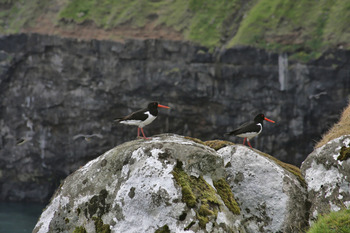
point(142, 117)
point(250, 129)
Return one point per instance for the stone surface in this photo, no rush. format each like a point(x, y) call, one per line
point(270, 197)
point(132, 188)
point(55, 90)
point(328, 178)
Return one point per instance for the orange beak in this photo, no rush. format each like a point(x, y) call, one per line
point(267, 119)
point(162, 106)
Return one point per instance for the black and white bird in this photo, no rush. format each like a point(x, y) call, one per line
point(142, 117)
point(250, 129)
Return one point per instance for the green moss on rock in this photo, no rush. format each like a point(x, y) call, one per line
point(195, 140)
point(182, 179)
point(214, 144)
point(344, 153)
point(163, 229)
point(226, 195)
point(189, 226)
point(100, 227)
point(80, 229)
point(198, 194)
point(218, 144)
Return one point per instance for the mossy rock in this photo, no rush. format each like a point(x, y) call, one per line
point(163, 229)
point(218, 144)
point(182, 179)
point(80, 229)
point(226, 195)
point(344, 153)
point(198, 194)
point(214, 144)
point(100, 227)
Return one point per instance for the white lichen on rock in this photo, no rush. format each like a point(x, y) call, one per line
point(327, 178)
point(266, 192)
point(132, 188)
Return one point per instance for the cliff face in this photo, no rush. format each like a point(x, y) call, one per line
point(55, 90)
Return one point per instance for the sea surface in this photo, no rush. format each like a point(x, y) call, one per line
point(19, 217)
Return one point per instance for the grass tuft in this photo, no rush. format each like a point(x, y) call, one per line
point(333, 222)
point(339, 129)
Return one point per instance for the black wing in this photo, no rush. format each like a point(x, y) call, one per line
point(139, 115)
point(247, 127)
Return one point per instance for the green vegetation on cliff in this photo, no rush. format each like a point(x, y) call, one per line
point(309, 27)
point(199, 21)
point(305, 28)
point(332, 222)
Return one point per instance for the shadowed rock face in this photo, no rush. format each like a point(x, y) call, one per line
point(170, 182)
point(54, 91)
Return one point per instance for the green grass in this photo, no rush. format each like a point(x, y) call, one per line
point(303, 28)
point(334, 222)
point(289, 26)
point(199, 21)
point(17, 14)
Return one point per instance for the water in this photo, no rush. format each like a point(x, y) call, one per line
point(19, 217)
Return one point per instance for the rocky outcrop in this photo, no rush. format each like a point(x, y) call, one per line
point(174, 184)
point(272, 195)
point(59, 97)
point(327, 173)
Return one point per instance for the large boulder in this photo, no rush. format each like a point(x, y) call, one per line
point(327, 173)
point(174, 184)
point(142, 186)
point(272, 195)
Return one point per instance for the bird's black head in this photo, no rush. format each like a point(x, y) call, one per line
point(153, 105)
point(261, 117)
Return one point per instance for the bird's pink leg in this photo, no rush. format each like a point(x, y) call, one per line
point(143, 134)
point(249, 144)
point(244, 140)
point(138, 132)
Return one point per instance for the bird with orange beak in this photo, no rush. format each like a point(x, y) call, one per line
point(142, 117)
point(250, 129)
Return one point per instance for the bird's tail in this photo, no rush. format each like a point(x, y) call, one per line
point(230, 133)
point(117, 120)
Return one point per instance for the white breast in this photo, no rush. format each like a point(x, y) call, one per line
point(149, 120)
